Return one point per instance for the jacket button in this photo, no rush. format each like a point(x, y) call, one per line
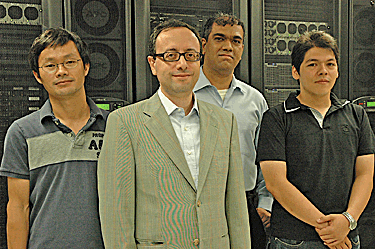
point(196, 242)
point(199, 203)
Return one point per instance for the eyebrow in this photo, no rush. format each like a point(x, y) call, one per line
point(175, 50)
point(65, 57)
point(310, 60)
point(222, 35)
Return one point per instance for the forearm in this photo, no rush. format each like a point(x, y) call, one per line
point(18, 212)
point(362, 186)
point(360, 195)
point(17, 226)
point(297, 204)
point(287, 194)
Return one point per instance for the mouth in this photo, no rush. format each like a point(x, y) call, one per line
point(226, 56)
point(322, 81)
point(61, 82)
point(181, 75)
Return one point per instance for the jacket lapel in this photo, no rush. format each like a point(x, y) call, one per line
point(208, 140)
point(159, 125)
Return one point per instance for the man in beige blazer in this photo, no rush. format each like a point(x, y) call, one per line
point(170, 173)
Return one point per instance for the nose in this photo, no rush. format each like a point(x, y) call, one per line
point(227, 45)
point(61, 70)
point(181, 63)
point(323, 70)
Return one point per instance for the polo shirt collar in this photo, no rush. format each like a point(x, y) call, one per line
point(204, 82)
point(46, 109)
point(293, 104)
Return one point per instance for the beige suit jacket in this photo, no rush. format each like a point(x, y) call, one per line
point(147, 196)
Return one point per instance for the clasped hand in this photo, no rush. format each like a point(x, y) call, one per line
point(333, 230)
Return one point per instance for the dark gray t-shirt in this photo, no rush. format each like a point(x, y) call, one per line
point(61, 167)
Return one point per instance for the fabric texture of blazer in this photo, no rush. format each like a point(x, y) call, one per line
point(147, 196)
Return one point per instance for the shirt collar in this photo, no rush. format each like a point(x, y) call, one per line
point(293, 104)
point(169, 106)
point(204, 82)
point(46, 110)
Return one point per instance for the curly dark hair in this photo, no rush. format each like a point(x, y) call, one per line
point(222, 20)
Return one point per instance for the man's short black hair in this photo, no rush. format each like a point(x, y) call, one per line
point(308, 40)
point(56, 37)
point(171, 23)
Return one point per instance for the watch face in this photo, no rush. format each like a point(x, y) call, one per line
point(353, 225)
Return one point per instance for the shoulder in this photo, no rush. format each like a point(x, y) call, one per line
point(26, 127)
point(251, 93)
point(219, 113)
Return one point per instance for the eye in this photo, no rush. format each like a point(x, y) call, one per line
point(218, 38)
point(191, 55)
point(49, 65)
point(311, 64)
point(70, 62)
point(171, 55)
point(237, 42)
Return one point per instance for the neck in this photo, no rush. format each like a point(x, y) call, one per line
point(186, 101)
point(320, 103)
point(221, 80)
point(73, 112)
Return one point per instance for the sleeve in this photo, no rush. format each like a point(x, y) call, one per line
point(15, 158)
point(265, 197)
point(116, 186)
point(235, 199)
point(271, 144)
point(366, 143)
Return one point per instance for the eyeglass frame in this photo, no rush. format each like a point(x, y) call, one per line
point(179, 56)
point(57, 65)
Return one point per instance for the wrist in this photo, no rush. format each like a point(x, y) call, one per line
point(352, 221)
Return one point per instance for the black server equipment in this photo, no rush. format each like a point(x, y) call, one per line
point(362, 49)
point(101, 24)
point(20, 94)
point(366, 223)
point(284, 22)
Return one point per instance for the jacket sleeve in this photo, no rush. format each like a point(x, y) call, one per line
point(235, 199)
point(116, 185)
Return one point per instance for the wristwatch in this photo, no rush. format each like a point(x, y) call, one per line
point(352, 221)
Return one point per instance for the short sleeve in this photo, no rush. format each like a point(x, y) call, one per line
point(15, 160)
point(271, 143)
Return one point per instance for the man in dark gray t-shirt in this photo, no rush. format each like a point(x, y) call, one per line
point(50, 156)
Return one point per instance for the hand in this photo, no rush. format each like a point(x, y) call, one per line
point(265, 216)
point(346, 244)
point(333, 229)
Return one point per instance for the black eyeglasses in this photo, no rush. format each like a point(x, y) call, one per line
point(175, 56)
point(52, 67)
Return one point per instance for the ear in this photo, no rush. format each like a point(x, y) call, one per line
point(204, 43)
point(87, 68)
point(37, 77)
point(151, 62)
point(295, 73)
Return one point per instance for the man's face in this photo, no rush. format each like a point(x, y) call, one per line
point(223, 48)
point(176, 78)
point(62, 82)
point(318, 72)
